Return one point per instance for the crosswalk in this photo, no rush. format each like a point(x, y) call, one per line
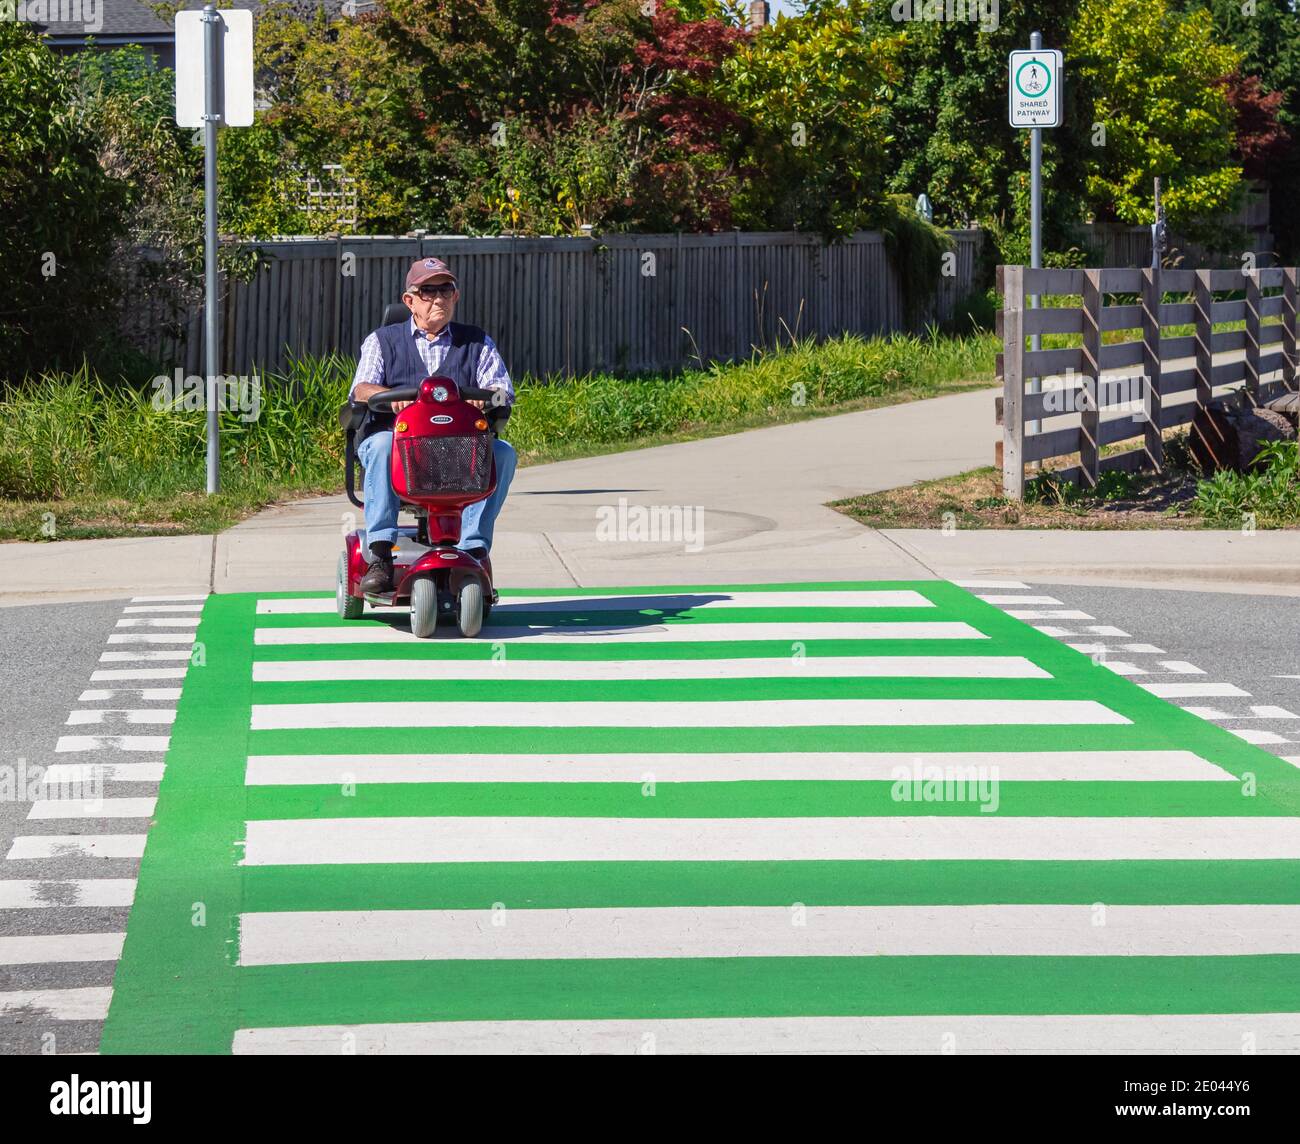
point(779, 818)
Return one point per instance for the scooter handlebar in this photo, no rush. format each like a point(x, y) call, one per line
point(379, 402)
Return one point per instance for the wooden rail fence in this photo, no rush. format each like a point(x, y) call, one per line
point(1152, 383)
point(571, 305)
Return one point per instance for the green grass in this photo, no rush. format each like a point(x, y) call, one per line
point(80, 457)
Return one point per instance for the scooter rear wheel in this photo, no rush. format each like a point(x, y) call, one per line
point(350, 607)
point(424, 608)
point(469, 608)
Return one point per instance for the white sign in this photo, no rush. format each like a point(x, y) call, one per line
point(1035, 86)
point(234, 68)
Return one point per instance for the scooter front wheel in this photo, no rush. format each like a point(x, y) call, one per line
point(350, 607)
point(469, 608)
point(424, 608)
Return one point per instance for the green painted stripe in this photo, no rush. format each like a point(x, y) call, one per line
point(763, 987)
point(576, 885)
point(759, 799)
point(661, 690)
point(176, 987)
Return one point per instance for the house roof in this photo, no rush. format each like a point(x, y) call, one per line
point(133, 19)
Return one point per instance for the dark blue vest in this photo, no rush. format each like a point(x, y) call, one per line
point(403, 365)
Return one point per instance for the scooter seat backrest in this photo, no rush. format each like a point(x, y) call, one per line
point(395, 312)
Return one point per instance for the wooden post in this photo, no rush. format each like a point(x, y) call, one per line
point(1012, 281)
point(1253, 300)
point(1289, 332)
point(1204, 302)
point(1153, 396)
point(1090, 405)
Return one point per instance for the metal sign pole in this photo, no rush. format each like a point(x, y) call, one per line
point(211, 117)
point(1035, 222)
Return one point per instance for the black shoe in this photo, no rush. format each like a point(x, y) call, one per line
point(378, 578)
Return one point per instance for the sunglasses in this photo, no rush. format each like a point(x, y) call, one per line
point(429, 293)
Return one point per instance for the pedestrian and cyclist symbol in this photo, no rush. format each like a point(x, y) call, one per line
point(1033, 79)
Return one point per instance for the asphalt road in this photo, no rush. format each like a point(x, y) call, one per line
point(1250, 641)
point(47, 655)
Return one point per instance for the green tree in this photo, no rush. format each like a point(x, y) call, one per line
point(1159, 94)
point(1267, 32)
point(60, 213)
point(811, 93)
point(948, 128)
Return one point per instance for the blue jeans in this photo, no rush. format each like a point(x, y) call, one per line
point(476, 522)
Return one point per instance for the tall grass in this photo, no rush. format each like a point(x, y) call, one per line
point(68, 440)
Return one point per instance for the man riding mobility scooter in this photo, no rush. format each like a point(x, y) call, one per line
point(442, 462)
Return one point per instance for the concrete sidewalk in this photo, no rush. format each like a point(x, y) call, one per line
point(758, 498)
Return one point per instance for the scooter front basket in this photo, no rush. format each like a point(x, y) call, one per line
point(460, 464)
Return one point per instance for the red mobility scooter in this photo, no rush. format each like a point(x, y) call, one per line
point(441, 463)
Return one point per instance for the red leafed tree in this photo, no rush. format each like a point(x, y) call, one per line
point(1261, 140)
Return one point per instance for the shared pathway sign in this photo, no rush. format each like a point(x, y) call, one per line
point(805, 817)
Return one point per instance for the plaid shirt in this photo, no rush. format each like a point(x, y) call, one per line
point(491, 369)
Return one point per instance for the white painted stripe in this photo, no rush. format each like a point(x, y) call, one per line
point(1191, 690)
point(63, 773)
point(1020, 599)
point(60, 947)
point(1108, 631)
point(631, 601)
point(1267, 711)
point(1026, 766)
point(718, 713)
point(1106, 649)
point(1054, 632)
point(1120, 667)
point(1294, 760)
point(1047, 614)
point(156, 716)
point(1257, 737)
point(969, 584)
point(552, 670)
point(151, 637)
point(159, 622)
point(71, 743)
point(41, 893)
point(77, 846)
point(305, 937)
point(156, 608)
point(92, 808)
point(1209, 713)
point(167, 599)
point(59, 1004)
point(142, 656)
point(1180, 667)
point(727, 1036)
point(113, 674)
point(144, 694)
point(693, 632)
point(903, 838)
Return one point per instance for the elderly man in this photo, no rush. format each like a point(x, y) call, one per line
point(404, 354)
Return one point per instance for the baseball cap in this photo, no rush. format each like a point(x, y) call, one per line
point(425, 270)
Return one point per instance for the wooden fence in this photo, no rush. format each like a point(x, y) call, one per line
point(572, 305)
point(1155, 382)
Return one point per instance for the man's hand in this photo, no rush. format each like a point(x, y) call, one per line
point(398, 406)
